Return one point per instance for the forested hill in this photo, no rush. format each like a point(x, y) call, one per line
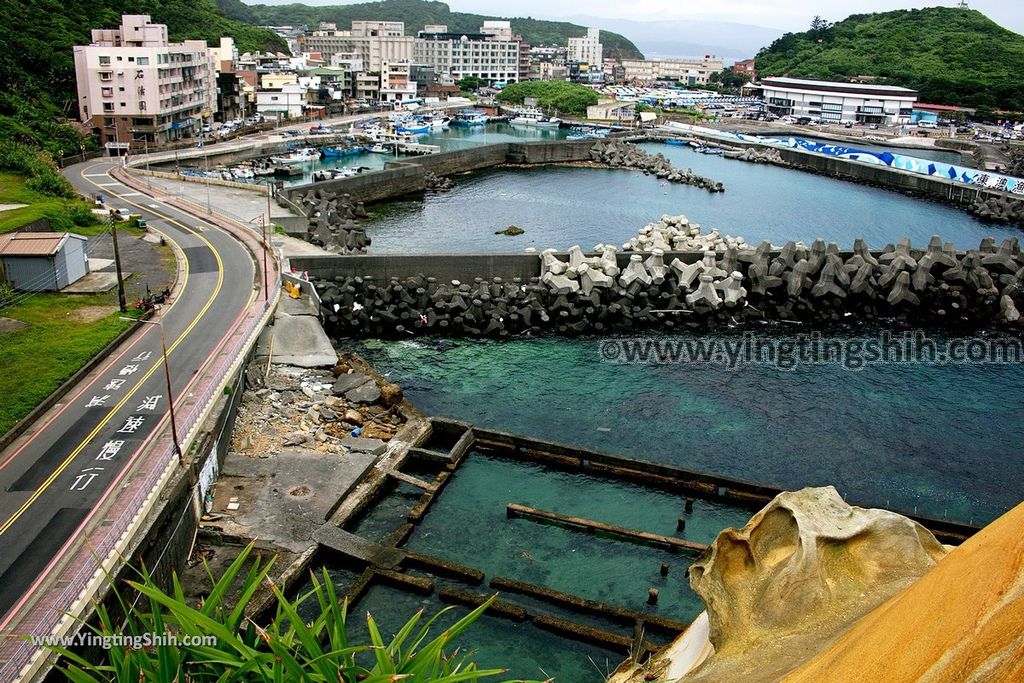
point(950, 55)
point(416, 14)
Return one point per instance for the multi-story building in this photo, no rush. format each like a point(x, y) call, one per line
point(689, 71)
point(838, 102)
point(134, 84)
point(367, 86)
point(492, 56)
point(286, 102)
point(373, 42)
point(588, 49)
point(395, 83)
point(747, 67)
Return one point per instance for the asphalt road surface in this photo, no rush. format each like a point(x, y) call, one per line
point(76, 456)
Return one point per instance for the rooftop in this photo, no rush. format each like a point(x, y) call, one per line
point(34, 243)
point(835, 85)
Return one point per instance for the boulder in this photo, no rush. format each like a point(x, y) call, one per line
point(346, 383)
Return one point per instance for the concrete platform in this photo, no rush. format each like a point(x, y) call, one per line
point(304, 305)
point(94, 283)
point(358, 547)
point(99, 264)
point(297, 340)
point(284, 499)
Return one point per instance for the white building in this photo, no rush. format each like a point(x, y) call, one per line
point(838, 102)
point(373, 42)
point(286, 102)
point(134, 84)
point(588, 49)
point(689, 71)
point(492, 55)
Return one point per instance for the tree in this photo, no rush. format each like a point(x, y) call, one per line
point(729, 78)
point(818, 24)
point(470, 83)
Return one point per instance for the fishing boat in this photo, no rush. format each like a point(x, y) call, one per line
point(413, 128)
point(299, 156)
point(675, 141)
point(435, 121)
point(381, 148)
point(334, 152)
point(469, 117)
point(534, 117)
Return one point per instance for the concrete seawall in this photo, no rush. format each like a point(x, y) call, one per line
point(409, 176)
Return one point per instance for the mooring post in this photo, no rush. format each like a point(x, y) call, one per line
point(689, 505)
point(664, 568)
point(680, 523)
point(652, 596)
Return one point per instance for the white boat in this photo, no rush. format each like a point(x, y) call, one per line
point(470, 117)
point(299, 156)
point(381, 148)
point(436, 121)
point(534, 117)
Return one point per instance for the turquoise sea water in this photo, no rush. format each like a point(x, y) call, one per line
point(939, 439)
point(559, 207)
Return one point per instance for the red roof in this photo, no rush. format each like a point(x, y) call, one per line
point(33, 243)
point(935, 107)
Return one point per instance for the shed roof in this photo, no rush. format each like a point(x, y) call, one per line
point(34, 243)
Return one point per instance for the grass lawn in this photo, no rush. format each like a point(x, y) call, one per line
point(64, 214)
point(63, 333)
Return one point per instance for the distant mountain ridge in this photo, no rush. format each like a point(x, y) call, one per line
point(416, 14)
point(950, 55)
point(687, 37)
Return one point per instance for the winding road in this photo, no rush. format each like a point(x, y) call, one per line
point(68, 475)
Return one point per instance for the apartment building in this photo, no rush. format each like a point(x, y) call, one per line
point(588, 49)
point(396, 84)
point(838, 102)
point(372, 42)
point(688, 71)
point(492, 55)
point(135, 85)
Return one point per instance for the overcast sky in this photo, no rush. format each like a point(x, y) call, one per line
point(785, 15)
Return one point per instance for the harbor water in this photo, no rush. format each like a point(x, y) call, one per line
point(936, 439)
point(562, 206)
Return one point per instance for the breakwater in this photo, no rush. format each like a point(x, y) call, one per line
point(606, 291)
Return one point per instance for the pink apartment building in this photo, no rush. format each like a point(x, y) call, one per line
point(133, 85)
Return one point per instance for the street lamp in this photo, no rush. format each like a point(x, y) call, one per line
point(170, 393)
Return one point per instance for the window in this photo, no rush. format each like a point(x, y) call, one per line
point(108, 106)
point(143, 61)
point(142, 105)
point(105, 75)
point(120, 89)
point(107, 92)
point(104, 60)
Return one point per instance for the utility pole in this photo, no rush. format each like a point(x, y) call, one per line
point(170, 392)
point(117, 263)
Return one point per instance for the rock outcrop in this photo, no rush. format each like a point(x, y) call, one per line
point(963, 621)
point(783, 587)
point(626, 155)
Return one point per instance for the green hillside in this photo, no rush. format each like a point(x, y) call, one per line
point(950, 55)
point(416, 14)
